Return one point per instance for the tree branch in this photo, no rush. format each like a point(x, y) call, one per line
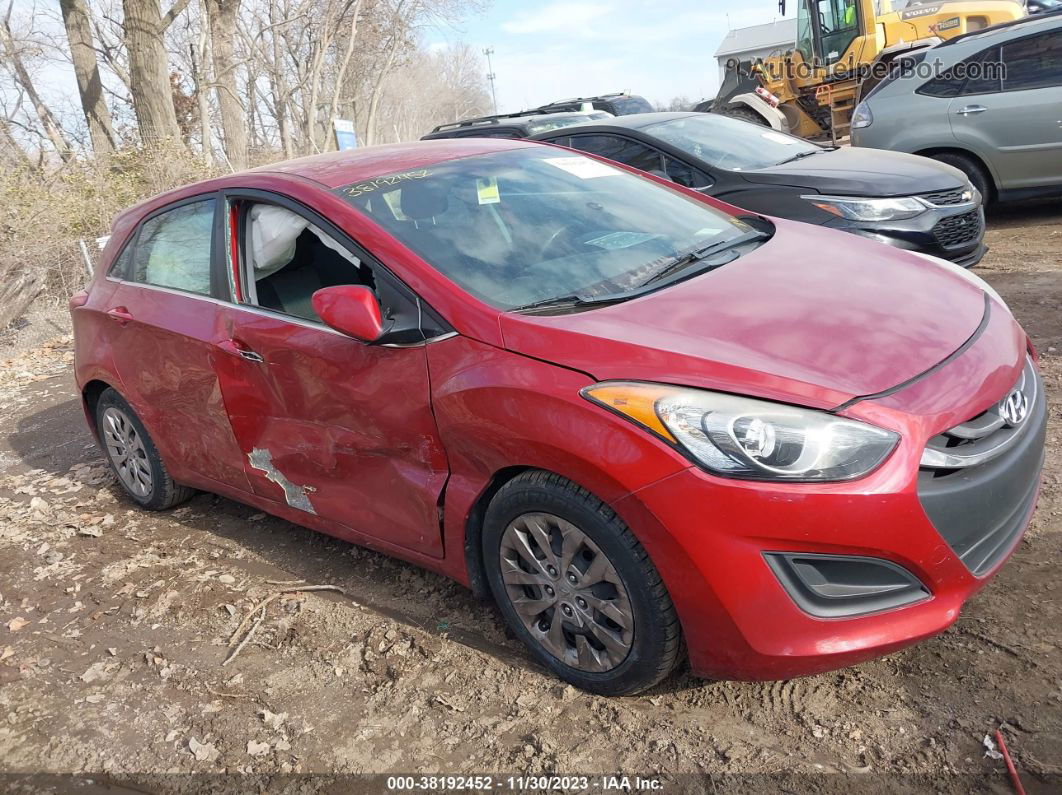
point(173, 13)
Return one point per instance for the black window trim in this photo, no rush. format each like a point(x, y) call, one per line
point(428, 316)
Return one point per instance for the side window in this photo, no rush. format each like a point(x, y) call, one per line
point(621, 150)
point(948, 84)
point(984, 74)
point(120, 267)
point(683, 174)
point(838, 21)
point(1035, 62)
point(979, 74)
point(288, 259)
point(173, 248)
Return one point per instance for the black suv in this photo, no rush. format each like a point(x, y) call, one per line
point(513, 125)
point(621, 104)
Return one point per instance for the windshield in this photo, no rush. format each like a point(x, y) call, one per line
point(532, 224)
point(565, 121)
point(729, 143)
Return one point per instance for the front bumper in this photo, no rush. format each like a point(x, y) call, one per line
point(952, 233)
point(741, 616)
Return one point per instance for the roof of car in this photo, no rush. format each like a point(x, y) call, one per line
point(336, 169)
point(522, 119)
point(633, 121)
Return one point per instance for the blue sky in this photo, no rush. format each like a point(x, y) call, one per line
point(553, 50)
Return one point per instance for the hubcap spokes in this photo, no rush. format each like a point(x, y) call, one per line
point(567, 593)
point(127, 452)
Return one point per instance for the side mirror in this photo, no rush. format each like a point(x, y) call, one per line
point(350, 309)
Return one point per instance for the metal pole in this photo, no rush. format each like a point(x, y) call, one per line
point(490, 76)
point(85, 256)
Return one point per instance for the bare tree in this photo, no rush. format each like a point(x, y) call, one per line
point(87, 72)
point(149, 72)
point(198, 53)
point(13, 55)
point(221, 15)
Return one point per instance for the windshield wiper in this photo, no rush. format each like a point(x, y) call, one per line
point(571, 302)
point(575, 301)
point(800, 156)
point(699, 254)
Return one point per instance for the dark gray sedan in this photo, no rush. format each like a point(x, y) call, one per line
point(906, 201)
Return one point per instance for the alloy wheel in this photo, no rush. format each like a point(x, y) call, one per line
point(566, 592)
point(127, 452)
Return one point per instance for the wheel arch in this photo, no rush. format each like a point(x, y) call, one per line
point(772, 116)
point(474, 563)
point(976, 158)
point(90, 398)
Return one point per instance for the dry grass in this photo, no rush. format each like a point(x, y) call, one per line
point(44, 215)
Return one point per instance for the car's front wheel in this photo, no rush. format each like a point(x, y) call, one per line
point(133, 456)
point(577, 587)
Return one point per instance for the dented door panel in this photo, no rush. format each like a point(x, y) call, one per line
point(163, 354)
point(334, 427)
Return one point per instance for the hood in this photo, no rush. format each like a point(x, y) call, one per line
point(813, 316)
point(852, 171)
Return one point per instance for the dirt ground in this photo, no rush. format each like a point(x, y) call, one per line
point(114, 629)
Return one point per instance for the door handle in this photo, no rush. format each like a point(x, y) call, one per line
point(119, 315)
point(237, 348)
point(970, 110)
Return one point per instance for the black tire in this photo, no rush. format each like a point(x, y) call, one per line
point(973, 170)
point(656, 645)
point(745, 114)
point(163, 492)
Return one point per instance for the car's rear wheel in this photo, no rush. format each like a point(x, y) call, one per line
point(971, 168)
point(133, 457)
point(577, 588)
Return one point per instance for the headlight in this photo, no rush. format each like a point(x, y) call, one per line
point(741, 437)
point(855, 209)
point(862, 117)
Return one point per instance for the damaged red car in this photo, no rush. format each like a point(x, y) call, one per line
point(648, 424)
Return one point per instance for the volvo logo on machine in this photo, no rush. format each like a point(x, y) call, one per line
point(1014, 408)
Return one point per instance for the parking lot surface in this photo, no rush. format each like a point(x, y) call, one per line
point(115, 624)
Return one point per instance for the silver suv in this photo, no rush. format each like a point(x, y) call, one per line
point(989, 103)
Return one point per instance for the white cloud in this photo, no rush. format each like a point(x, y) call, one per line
point(555, 17)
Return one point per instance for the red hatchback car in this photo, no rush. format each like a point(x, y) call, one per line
point(643, 421)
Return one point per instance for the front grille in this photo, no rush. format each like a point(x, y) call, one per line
point(948, 198)
point(979, 479)
point(958, 229)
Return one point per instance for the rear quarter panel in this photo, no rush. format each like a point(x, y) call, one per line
point(905, 121)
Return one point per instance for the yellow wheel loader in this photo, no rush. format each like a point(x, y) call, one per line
point(843, 47)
